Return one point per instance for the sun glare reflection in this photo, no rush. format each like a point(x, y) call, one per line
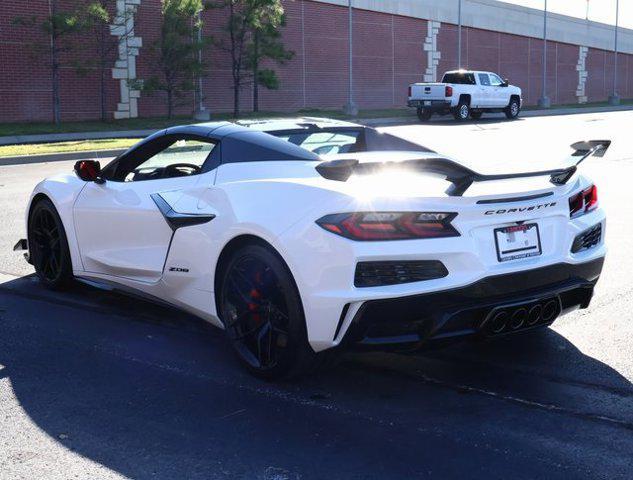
point(394, 182)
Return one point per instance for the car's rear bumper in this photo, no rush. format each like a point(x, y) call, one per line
point(435, 105)
point(324, 265)
point(471, 310)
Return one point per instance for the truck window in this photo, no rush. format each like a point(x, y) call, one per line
point(459, 78)
point(483, 79)
point(495, 81)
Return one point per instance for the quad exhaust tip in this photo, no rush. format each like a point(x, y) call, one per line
point(550, 311)
point(499, 322)
point(535, 314)
point(521, 317)
point(518, 318)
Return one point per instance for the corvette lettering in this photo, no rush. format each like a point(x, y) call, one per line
point(520, 209)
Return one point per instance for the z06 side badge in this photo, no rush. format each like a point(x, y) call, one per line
point(178, 269)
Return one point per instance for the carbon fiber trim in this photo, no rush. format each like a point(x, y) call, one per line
point(177, 220)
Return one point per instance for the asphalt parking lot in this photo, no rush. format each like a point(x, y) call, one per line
point(97, 385)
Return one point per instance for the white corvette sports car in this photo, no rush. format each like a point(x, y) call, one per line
point(322, 234)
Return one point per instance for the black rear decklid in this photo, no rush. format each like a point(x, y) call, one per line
point(460, 176)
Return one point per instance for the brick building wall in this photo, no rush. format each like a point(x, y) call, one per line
point(390, 51)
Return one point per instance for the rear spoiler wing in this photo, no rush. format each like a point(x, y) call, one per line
point(461, 177)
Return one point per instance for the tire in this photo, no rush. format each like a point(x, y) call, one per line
point(476, 115)
point(260, 307)
point(462, 111)
point(513, 109)
point(424, 114)
point(48, 246)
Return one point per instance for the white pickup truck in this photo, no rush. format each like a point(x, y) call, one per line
point(465, 93)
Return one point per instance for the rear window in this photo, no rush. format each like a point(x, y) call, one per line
point(323, 142)
point(459, 78)
point(337, 140)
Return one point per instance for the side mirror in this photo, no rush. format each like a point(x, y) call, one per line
point(506, 82)
point(88, 170)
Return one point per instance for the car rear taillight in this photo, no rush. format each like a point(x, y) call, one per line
point(448, 91)
point(390, 225)
point(583, 202)
point(410, 91)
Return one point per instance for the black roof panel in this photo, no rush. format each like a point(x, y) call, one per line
point(246, 145)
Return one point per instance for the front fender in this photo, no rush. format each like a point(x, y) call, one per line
point(63, 191)
point(515, 90)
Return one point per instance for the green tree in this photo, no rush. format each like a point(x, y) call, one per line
point(266, 44)
point(58, 26)
point(176, 51)
point(250, 28)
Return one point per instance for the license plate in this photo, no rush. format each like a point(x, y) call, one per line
point(517, 241)
point(427, 103)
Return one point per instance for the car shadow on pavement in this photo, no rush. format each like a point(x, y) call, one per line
point(149, 392)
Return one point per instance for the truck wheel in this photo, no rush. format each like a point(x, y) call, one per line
point(513, 109)
point(462, 112)
point(476, 115)
point(424, 114)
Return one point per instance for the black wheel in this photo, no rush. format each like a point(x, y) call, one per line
point(476, 115)
point(513, 109)
point(262, 314)
point(462, 111)
point(48, 246)
point(424, 114)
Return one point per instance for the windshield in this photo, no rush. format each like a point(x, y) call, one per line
point(337, 140)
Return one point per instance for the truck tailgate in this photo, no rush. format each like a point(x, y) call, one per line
point(428, 91)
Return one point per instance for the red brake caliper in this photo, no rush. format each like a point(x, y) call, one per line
point(255, 294)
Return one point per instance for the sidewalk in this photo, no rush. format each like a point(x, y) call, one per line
point(550, 112)
point(372, 122)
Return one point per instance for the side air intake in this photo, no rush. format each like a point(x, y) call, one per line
point(587, 239)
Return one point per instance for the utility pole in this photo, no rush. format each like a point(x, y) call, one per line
point(201, 113)
point(459, 34)
point(587, 12)
point(350, 108)
point(614, 98)
point(544, 101)
point(52, 16)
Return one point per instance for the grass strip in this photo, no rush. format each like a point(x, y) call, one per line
point(65, 147)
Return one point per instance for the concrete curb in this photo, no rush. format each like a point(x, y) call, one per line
point(372, 122)
point(377, 122)
point(59, 157)
point(69, 137)
point(72, 137)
